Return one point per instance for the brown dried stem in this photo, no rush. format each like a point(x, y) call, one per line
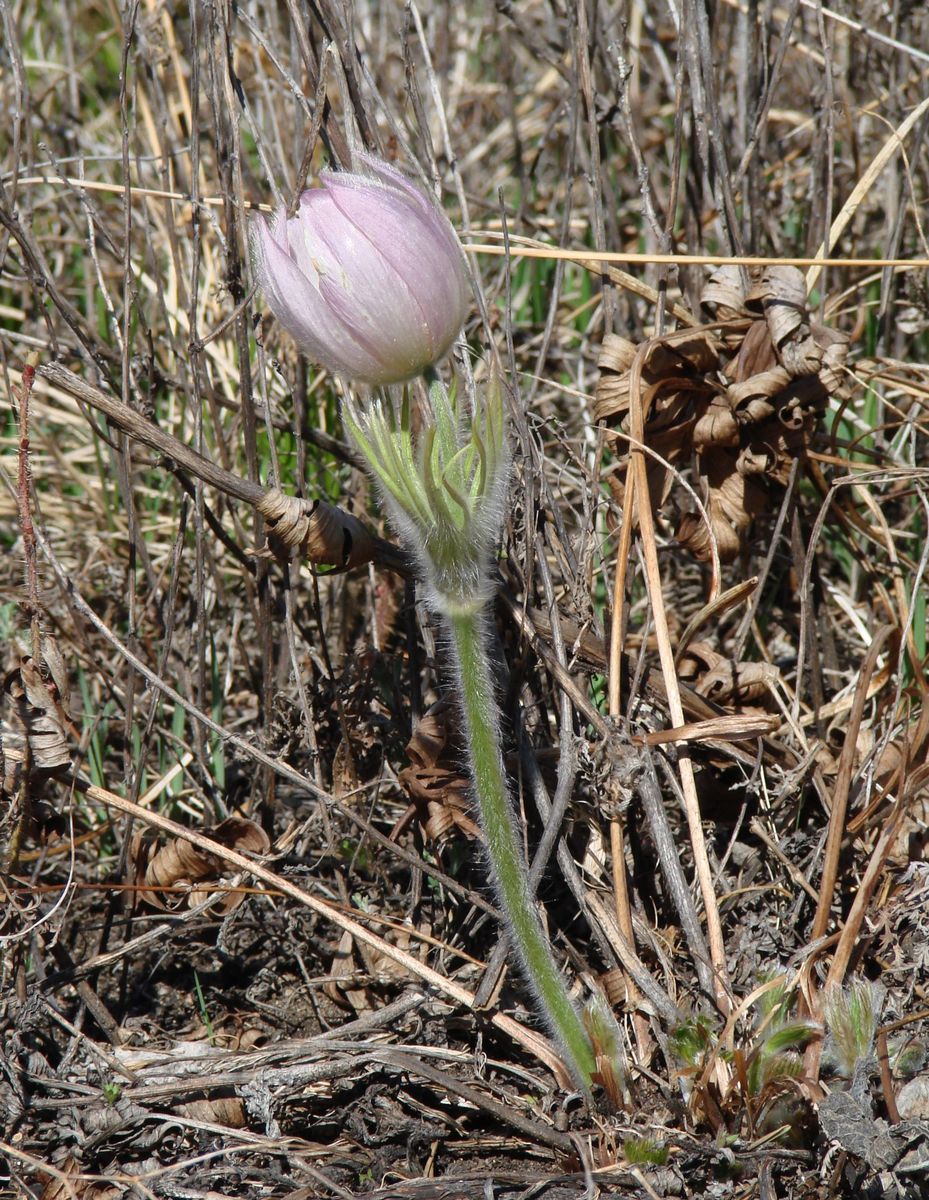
point(323, 532)
point(666, 656)
point(842, 785)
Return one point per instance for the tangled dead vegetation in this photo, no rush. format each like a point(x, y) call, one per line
point(743, 398)
point(176, 874)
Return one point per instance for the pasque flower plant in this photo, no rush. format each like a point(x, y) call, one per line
point(370, 280)
point(367, 277)
point(446, 495)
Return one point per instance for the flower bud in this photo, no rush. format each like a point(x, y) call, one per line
point(368, 277)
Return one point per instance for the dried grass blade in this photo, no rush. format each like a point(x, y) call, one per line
point(843, 783)
point(862, 187)
point(733, 728)
point(666, 656)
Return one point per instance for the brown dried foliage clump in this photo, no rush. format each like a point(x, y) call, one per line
point(436, 780)
point(741, 398)
point(34, 732)
point(179, 875)
point(732, 686)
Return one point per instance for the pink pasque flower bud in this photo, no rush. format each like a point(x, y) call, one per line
point(368, 277)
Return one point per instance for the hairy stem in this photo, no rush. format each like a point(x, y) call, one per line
point(506, 859)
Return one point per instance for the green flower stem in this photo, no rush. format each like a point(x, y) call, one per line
point(445, 492)
point(480, 711)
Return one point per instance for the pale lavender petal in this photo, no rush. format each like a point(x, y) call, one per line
point(421, 247)
point(403, 349)
point(304, 312)
point(392, 176)
point(370, 295)
point(315, 209)
point(404, 191)
point(368, 277)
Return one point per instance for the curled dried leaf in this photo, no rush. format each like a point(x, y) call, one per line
point(724, 293)
point(832, 375)
point(798, 347)
point(718, 426)
point(755, 398)
point(179, 864)
point(802, 357)
point(734, 500)
point(436, 780)
point(756, 460)
point(755, 354)
point(741, 403)
point(37, 721)
point(616, 354)
point(693, 534)
point(321, 532)
point(671, 373)
point(779, 293)
point(735, 684)
point(697, 658)
point(739, 498)
point(676, 390)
